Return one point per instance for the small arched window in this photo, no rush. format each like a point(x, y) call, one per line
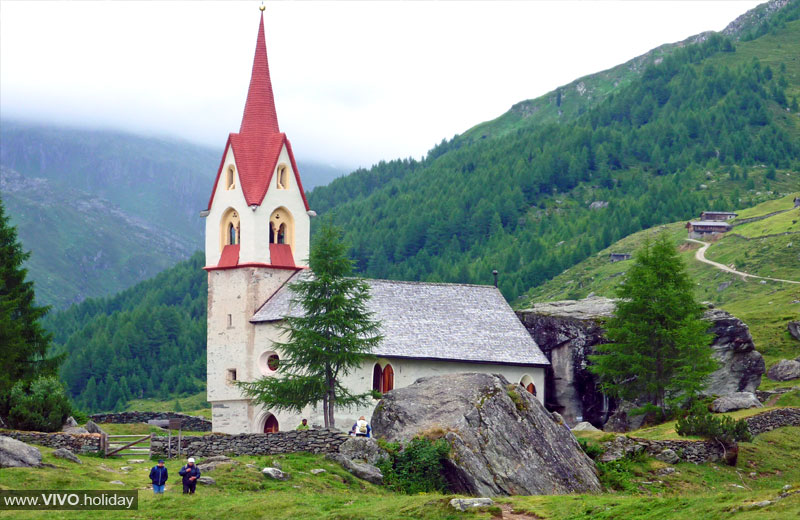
point(282, 177)
point(388, 378)
point(229, 177)
point(377, 378)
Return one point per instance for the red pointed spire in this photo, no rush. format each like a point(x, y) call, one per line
point(260, 116)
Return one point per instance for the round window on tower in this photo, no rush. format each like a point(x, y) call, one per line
point(268, 362)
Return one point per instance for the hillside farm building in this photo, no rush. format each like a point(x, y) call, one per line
point(619, 257)
point(706, 228)
point(718, 216)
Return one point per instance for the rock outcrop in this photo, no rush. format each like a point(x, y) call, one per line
point(735, 401)
point(63, 453)
point(785, 370)
point(794, 329)
point(569, 331)
point(503, 441)
point(358, 455)
point(17, 454)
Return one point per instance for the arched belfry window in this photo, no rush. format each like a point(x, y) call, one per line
point(282, 177)
point(229, 178)
point(230, 232)
point(281, 227)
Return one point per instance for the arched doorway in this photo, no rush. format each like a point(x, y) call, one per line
point(388, 378)
point(271, 424)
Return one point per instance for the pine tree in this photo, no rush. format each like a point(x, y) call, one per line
point(334, 336)
point(23, 340)
point(659, 341)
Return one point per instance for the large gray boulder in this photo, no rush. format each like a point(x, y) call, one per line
point(735, 401)
point(503, 441)
point(785, 370)
point(569, 331)
point(361, 470)
point(92, 427)
point(362, 449)
point(17, 454)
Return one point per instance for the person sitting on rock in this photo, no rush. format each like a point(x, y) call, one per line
point(190, 474)
point(361, 428)
point(303, 426)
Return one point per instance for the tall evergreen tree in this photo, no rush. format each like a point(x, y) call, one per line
point(659, 341)
point(334, 335)
point(23, 340)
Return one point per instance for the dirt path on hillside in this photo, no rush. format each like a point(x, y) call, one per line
point(700, 256)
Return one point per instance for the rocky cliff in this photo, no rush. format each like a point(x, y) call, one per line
point(567, 332)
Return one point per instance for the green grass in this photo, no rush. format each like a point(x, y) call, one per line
point(241, 492)
point(191, 405)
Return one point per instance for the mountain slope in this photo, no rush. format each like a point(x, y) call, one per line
point(769, 247)
point(691, 132)
point(101, 210)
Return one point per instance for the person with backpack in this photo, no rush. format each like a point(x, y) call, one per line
point(361, 428)
point(190, 473)
point(159, 476)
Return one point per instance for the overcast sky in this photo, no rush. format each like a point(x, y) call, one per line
point(355, 82)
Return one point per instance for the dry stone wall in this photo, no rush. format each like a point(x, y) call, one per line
point(313, 441)
point(769, 420)
point(76, 443)
point(190, 422)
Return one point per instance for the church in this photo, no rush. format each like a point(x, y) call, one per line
point(257, 232)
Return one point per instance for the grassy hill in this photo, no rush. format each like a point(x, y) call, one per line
point(101, 210)
point(635, 489)
point(765, 306)
point(694, 126)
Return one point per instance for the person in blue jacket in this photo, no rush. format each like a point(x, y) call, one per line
point(159, 476)
point(190, 473)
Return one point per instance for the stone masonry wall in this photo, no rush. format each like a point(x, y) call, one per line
point(74, 442)
point(772, 419)
point(314, 441)
point(190, 422)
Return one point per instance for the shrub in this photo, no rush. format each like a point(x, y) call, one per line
point(592, 450)
point(42, 406)
point(724, 429)
point(416, 467)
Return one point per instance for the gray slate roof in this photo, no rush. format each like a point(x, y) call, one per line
point(454, 322)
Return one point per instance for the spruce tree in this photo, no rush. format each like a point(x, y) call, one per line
point(335, 335)
point(23, 341)
point(659, 350)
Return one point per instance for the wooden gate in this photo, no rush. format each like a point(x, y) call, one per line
point(126, 445)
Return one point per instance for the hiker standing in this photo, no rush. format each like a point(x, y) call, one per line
point(190, 474)
point(159, 476)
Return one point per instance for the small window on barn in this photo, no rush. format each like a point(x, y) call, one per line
point(230, 321)
point(388, 378)
point(230, 376)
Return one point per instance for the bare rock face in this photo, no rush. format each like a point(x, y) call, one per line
point(741, 367)
point(504, 442)
point(17, 454)
point(92, 427)
point(735, 401)
point(568, 332)
point(785, 370)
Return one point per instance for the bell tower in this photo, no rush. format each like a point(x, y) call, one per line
point(257, 237)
